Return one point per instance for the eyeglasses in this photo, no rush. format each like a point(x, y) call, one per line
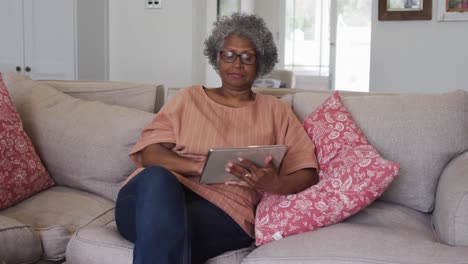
point(245, 58)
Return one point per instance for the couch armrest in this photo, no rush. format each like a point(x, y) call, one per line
point(450, 216)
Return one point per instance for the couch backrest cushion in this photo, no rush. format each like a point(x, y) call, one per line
point(83, 144)
point(421, 132)
point(143, 96)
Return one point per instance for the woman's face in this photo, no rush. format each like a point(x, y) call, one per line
point(237, 63)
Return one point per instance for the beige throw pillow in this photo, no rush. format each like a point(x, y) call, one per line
point(83, 144)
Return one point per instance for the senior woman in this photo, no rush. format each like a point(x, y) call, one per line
point(162, 208)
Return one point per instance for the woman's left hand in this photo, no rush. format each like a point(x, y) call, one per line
point(264, 179)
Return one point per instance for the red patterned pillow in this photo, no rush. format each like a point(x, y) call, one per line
point(352, 175)
point(21, 171)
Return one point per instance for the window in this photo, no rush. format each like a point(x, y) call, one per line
point(353, 44)
point(307, 37)
point(327, 43)
point(227, 7)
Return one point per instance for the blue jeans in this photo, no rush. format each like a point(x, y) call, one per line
point(168, 223)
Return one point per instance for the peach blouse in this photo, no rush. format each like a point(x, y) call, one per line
point(195, 123)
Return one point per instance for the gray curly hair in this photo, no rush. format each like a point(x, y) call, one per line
point(248, 26)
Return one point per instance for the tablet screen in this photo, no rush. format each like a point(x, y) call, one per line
point(214, 170)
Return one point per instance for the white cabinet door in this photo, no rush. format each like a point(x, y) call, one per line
point(11, 29)
point(49, 39)
point(54, 39)
point(38, 38)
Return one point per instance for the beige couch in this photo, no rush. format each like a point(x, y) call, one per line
point(422, 218)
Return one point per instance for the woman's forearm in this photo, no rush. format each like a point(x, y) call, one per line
point(162, 155)
point(298, 181)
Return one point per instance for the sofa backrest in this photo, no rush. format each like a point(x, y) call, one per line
point(422, 132)
point(144, 96)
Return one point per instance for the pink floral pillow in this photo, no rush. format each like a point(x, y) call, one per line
point(21, 171)
point(352, 175)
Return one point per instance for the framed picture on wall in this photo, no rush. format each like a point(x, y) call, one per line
point(405, 10)
point(227, 7)
point(452, 10)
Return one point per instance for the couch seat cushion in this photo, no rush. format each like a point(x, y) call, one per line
point(103, 244)
point(99, 244)
point(381, 233)
point(18, 243)
point(55, 214)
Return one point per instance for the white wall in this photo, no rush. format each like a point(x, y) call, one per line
point(418, 56)
point(199, 14)
point(92, 38)
point(211, 76)
point(151, 45)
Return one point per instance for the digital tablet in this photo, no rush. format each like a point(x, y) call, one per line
point(214, 170)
